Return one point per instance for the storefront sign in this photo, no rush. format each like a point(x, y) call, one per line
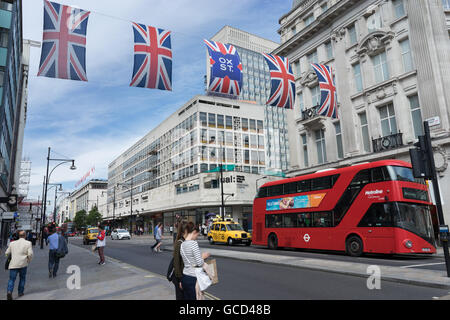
point(298, 202)
point(8, 215)
point(237, 179)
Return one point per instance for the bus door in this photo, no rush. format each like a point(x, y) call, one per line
point(376, 228)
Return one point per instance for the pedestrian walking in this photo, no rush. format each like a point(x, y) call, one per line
point(192, 258)
point(157, 236)
point(20, 253)
point(46, 236)
point(101, 243)
point(178, 264)
point(53, 258)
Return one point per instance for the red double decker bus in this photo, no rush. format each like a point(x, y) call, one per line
point(376, 207)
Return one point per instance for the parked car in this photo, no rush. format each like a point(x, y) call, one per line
point(71, 234)
point(119, 234)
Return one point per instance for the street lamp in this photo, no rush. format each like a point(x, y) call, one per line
point(131, 201)
point(47, 179)
point(257, 183)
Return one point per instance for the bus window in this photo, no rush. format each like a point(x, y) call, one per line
point(290, 188)
point(262, 193)
point(321, 183)
point(273, 221)
point(322, 219)
point(403, 174)
point(274, 191)
point(289, 220)
point(304, 220)
point(361, 178)
point(378, 215)
point(379, 174)
point(304, 186)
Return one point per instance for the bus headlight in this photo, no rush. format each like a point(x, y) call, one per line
point(408, 244)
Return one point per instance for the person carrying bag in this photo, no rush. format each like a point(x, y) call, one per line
point(193, 273)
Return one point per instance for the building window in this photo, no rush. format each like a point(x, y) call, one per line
point(340, 148)
point(315, 95)
point(364, 131)
point(293, 30)
point(203, 119)
point(398, 8)
point(324, 7)
point(406, 55)
point(321, 148)
point(308, 20)
point(296, 68)
point(211, 120)
point(387, 117)
point(446, 4)
point(312, 58)
point(358, 77)
point(305, 150)
point(329, 50)
point(300, 101)
point(416, 115)
point(352, 34)
point(380, 67)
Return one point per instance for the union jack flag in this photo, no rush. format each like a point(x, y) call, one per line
point(226, 68)
point(328, 96)
point(282, 93)
point(152, 58)
point(63, 53)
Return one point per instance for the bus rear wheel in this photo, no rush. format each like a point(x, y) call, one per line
point(354, 246)
point(272, 242)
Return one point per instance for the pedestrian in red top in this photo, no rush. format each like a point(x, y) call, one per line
point(101, 242)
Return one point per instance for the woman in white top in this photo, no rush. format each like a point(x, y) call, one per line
point(190, 252)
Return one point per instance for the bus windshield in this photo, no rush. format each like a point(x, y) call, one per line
point(416, 219)
point(403, 174)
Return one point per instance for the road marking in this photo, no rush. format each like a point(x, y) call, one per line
point(149, 276)
point(210, 296)
point(422, 265)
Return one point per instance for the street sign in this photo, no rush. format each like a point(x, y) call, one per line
point(434, 121)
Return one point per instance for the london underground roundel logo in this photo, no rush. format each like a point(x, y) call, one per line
point(306, 237)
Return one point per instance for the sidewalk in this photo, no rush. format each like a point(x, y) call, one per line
point(112, 281)
point(422, 277)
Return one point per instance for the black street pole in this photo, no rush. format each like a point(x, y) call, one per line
point(114, 207)
point(437, 194)
point(45, 199)
point(221, 186)
point(131, 207)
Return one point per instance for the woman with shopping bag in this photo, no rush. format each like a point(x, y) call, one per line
point(193, 272)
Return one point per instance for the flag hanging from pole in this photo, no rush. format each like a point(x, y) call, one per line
point(63, 53)
point(282, 82)
point(328, 96)
point(152, 58)
point(225, 68)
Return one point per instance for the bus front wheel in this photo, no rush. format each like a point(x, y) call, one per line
point(354, 246)
point(272, 242)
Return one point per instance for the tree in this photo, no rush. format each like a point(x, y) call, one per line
point(94, 217)
point(80, 219)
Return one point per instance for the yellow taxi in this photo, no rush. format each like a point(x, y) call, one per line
point(229, 232)
point(90, 235)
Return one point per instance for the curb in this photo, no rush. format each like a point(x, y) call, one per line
point(439, 283)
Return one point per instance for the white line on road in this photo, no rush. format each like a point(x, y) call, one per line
point(422, 265)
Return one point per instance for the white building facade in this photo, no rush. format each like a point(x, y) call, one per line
point(167, 170)
point(391, 65)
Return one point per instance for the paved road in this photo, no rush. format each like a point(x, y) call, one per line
point(243, 280)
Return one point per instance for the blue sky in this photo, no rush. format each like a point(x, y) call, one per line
point(95, 121)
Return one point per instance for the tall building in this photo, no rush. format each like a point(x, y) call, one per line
point(90, 195)
point(13, 83)
point(172, 170)
point(391, 62)
point(256, 88)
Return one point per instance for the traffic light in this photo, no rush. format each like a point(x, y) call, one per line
point(419, 159)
